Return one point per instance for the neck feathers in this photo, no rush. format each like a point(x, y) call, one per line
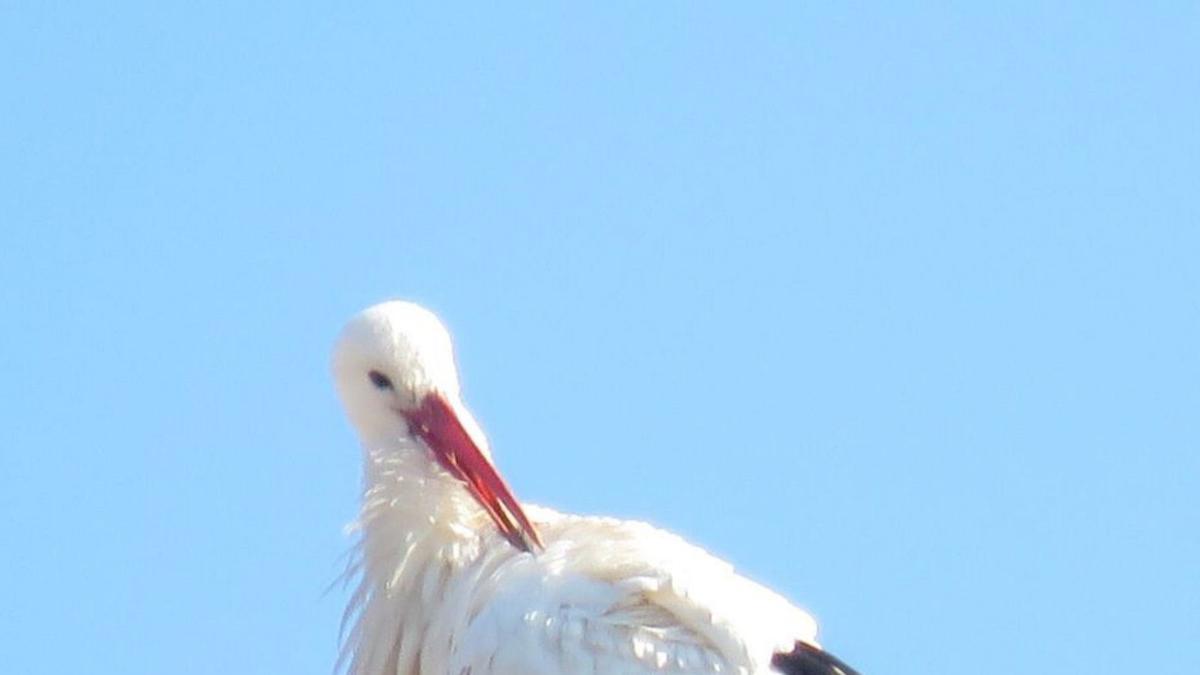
point(416, 525)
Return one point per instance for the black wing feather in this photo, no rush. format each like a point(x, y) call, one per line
point(806, 659)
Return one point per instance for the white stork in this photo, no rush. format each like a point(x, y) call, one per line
point(456, 577)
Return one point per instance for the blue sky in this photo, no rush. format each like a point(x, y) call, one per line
point(895, 308)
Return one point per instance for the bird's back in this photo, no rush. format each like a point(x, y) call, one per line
point(611, 596)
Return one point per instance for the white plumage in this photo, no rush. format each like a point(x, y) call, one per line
point(454, 577)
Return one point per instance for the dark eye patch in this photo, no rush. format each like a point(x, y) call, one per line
point(380, 380)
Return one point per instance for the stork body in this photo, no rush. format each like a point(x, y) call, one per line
point(455, 577)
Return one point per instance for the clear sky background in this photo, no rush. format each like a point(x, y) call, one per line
point(899, 310)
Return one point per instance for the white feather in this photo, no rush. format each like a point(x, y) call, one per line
point(605, 596)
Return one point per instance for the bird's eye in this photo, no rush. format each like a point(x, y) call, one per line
point(380, 380)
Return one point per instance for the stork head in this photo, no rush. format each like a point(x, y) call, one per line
point(394, 370)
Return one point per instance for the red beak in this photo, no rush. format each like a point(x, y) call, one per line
point(437, 423)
